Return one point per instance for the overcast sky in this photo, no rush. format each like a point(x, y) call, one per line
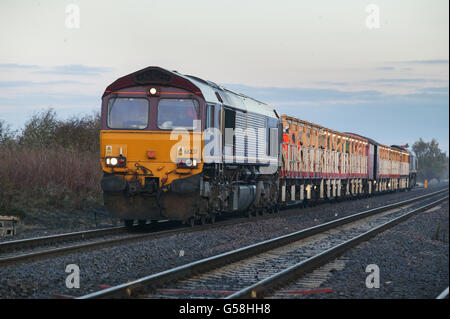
point(322, 61)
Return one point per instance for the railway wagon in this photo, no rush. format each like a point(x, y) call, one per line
point(320, 163)
point(178, 147)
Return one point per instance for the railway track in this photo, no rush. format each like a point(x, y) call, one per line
point(307, 274)
point(259, 269)
point(43, 247)
point(48, 240)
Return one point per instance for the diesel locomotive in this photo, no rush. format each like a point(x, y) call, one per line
point(177, 147)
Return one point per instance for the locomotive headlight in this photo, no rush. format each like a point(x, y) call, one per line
point(153, 91)
point(120, 161)
point(187, 163)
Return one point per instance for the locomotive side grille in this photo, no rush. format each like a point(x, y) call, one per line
point(257, 123)
point(241, 123)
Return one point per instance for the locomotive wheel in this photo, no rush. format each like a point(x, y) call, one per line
point(192, 221)
point(203, 219)
point(212, 218)
point(128, 223)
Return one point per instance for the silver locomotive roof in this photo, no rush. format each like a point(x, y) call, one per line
point(229, 98)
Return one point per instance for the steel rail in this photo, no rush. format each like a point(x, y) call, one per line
point(103, 243)
point(95, 244)
point(263, 287)
point(79, 235)
point(34, 242)
point(116, 230)
point(201, 266)
point(443, 295)
point(45, 240)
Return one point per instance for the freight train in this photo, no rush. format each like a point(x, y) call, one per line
point(177, 147)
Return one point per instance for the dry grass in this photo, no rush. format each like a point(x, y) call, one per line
point(48, 177)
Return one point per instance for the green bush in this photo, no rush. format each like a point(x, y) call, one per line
point(45, 130)
point(7, 136)
point(51, 163)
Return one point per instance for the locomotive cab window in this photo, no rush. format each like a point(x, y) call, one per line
point(128, 113)
point(213, 116)
point(209, 116)
point(177, 113)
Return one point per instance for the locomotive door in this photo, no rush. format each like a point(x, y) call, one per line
point(229, 124)
point(214, 151)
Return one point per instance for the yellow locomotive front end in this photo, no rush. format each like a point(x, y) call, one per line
point(151, 142)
